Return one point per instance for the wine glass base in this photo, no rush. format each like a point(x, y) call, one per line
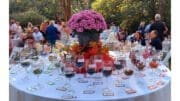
point(81, 80)
point(108, 93)
point(32, 89)
point(119, 84)
point(88, 91)
point(68, 97)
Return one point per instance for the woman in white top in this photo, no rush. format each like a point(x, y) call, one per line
point(37, 35)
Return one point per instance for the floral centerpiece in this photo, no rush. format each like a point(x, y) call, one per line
point(88, 25)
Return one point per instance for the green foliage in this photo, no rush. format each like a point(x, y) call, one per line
point(129, 13)
point(50, 9)
point(28, 16)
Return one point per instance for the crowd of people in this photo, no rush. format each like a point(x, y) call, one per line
point(152, 34)
point(49, 31)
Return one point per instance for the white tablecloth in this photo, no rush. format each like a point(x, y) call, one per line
point(19, 92)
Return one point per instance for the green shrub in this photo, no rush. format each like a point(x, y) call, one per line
point(28, 16)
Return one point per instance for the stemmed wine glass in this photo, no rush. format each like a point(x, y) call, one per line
point(91, 70)
point(107, 71)
point(80, 62)
point(26, 64)
point(97, 59)
point(59, 66)
point(153, 65)
point(37, 70)
point(119, 65)
point(69, 73)
point(128, 72)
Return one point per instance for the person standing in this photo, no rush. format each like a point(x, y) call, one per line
point(65, 33)
point(148, 26)
point(59, 27)
point(13, 27)
point(37, 35)
point(159, 26)
point(52, 33)
point(141, 28)
point(43, 27)
point(19, 29)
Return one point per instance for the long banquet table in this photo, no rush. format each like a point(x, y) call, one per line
point(51, 81)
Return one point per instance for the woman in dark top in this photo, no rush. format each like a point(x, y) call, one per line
point(155, 40)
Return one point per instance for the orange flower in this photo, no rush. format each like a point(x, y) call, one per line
point(93, 51)
point(75, 48)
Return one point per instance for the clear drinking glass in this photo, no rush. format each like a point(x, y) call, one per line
point(26, 64)
point(37, 71)
point(107, 71)
point(69, 73)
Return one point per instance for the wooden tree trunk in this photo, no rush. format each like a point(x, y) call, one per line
point(67, 9)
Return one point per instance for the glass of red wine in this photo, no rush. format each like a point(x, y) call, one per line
point(118, 64)
point(98, 62)
point(79, 62)
point(69, 73)
point(91, 70)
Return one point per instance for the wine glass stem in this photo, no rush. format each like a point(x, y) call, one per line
point(154, 75)
point(38, 84)
point(91, 82)
point(107, 82)
point(26, 73)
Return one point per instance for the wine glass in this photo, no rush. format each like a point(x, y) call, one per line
point(119, 65)
point(37, 70)
point(128, 72)
point(97, 59)
point(153, 65)
point(98, 62)
point(48, 48)
point(69, 73)
point(59, 66)
point(79, 62)
point(26, 64)
point(91, 70)
point(107, 71)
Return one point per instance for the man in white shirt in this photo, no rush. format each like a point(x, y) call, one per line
point(37, 35)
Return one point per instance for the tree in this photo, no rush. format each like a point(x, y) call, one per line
point(129, 13)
